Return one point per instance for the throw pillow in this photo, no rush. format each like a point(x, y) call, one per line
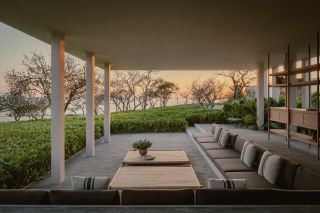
point(227, 184)
point(248, 154)
point(216, 134)
point(213, 128)
point(269, 167)
point(89, 183)
point(224, 139)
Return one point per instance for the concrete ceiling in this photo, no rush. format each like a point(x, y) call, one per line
point(172, 34)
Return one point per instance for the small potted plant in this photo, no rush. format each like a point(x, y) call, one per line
point(142, 145)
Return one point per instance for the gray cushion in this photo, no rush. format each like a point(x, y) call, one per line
point(200, 135)
point(231, 165)
point(224, 139)
point(233, 138)
point(222, 153)
point(208, 146)
point(213, 128)
point(24, 197)
point(239, 143)
point(73, 197)
point(269, 167)
point(227, 183)
point(248, 154)
point(253, 179)
point(158, 197)
point(208, 139)
point(306, 179)
point(216, 134)
point(287, 174)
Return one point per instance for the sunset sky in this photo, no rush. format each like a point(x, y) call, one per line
point(15, 43)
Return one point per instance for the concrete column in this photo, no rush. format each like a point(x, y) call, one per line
point(305, 92)
point(107, 115)
point(90, 144)
point(57, 108)
point(260, 96)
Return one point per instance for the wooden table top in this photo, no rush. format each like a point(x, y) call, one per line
point(154, 177)
point(163, 157)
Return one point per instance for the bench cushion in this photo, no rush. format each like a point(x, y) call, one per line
point(287, 174)
point(72, 197)
point(253, 179)
point(197, 135)
point(24, 197)
point(158, 197)
point(208, 146)
point(231, 165)
point(222, 153)
point(208, 139)
point(239, 142)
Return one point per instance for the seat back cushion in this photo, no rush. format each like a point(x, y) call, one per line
point(158, 197)
point(269, 167)
point(306, 179)
point(216, 134)
point(224, 139)
point(256, 197)
point(238, 145)
point(287, 174)
point(24, 197)
point(233, 138)
point(227, 183)
point(73, 197)
point(248, 154)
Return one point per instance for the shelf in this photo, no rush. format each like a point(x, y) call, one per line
point(304, 83)
point(282, 132)
point(283, 73)
point(278, 85)
point(304, 69)
point(303, 138)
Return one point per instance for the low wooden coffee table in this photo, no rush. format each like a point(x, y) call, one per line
point(155, 177)
point(163, 157)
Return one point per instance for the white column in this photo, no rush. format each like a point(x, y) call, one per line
point(57, 108)
point(107, 115)
point(90, 143)
point(260, 96)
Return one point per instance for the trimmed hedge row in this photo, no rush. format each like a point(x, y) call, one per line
point(25, 145)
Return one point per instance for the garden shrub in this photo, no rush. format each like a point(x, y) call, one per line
point(25, 146)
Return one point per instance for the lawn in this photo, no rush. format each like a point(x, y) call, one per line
point(25, 145)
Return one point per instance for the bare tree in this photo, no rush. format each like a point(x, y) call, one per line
point(186, 95)
point(240, 80)
point(207, 92)
point(164, 91)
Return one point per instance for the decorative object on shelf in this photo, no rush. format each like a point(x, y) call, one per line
point(142, 145)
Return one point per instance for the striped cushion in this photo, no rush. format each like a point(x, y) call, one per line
point(269, 167)
point(248, 154)
point(224, 139)
point(227, 184)
point(89, 183)
point(216, 134)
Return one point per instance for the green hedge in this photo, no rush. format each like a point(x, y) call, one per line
point(25, 145)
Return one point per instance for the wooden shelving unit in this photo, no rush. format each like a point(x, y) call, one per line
point(306, 118)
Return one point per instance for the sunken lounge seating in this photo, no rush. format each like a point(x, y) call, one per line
point(227, 159)
point(185, 197)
